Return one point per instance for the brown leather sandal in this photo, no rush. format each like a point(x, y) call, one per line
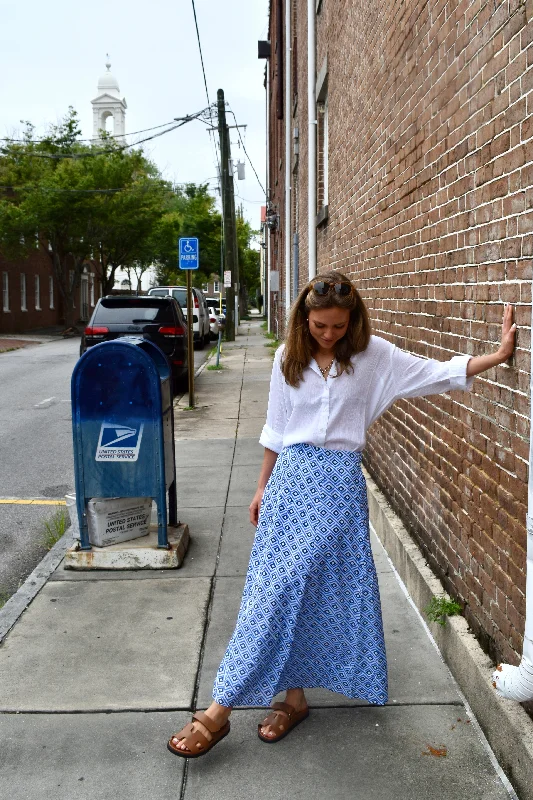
point(191, 737)
point(282, 720)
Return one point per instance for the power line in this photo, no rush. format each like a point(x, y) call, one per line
point(201, 55)
point(109, 135)
point(95, 153)
point(211, 135)
point(72, 191)
point(245, 151)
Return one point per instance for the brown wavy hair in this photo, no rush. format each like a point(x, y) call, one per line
point(300, 346)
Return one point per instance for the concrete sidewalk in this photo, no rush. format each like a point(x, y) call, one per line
point(104, 666)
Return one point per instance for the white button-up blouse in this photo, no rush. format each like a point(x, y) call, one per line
point(336, 413)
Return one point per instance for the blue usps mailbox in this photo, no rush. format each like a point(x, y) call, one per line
point(123, 428)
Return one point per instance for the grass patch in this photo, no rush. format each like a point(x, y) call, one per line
point(214, 367)
point(4, 597)
point(264, 325)
point(440, 608)
point(274, 343)
point(54, 527)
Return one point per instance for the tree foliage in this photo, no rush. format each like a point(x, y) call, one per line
point(190, 212)
point(106, 205)
point(80, 203)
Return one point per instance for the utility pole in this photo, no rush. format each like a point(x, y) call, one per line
point(228, 213)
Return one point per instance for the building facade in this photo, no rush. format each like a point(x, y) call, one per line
point(400, 151)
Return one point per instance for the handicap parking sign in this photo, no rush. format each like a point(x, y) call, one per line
point(189, 255)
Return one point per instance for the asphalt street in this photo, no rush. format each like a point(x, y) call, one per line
point(35, 449)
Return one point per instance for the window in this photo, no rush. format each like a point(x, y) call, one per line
point(216, 286)
point(322, 144)
point(37, 293)
point(91, 288)
point(51, 292)
point(23, 306)
point(5, 291)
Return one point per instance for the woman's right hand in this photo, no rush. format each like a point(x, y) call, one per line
point(255, 505)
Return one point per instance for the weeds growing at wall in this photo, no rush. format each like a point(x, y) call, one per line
point(440, 608)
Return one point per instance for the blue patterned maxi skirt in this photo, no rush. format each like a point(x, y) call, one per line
point(310, 614)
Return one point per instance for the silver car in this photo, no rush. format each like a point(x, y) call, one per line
point(200, 312)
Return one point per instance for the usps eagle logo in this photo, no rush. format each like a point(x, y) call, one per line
point(118, 442)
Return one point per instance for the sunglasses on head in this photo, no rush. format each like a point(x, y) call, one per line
point(325, 287)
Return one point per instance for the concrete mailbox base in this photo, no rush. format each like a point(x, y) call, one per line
point(141, 553)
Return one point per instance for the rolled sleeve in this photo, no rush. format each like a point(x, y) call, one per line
point(458, 377)
point(270, 439)
point(276, 421)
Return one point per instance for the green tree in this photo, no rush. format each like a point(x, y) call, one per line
point(190, 211)
point(80, 203)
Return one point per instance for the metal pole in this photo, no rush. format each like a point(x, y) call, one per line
point(218, 347)
point(190, 340)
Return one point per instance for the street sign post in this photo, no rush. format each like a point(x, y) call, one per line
point(189, 259)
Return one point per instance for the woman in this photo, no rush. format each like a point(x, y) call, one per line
point(310, 614)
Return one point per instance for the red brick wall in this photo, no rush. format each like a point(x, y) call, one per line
point(16, 320)
point(430, 212)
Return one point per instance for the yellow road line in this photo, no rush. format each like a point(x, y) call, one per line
point(15, 501)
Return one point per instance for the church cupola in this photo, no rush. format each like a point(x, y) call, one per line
point(109, 104)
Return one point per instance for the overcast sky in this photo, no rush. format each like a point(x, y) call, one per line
point(52, 54)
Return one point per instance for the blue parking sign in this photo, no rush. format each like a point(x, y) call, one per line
point(189, 253)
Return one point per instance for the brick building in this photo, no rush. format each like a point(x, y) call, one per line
point(421, 139)
point(31, 298)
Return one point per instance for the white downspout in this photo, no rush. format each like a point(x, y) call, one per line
point(268, 296)
point(311, 138)
point(288, 116)
point(516, 683)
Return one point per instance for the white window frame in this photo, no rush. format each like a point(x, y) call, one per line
point(91, 289)
point(5, 292)
point(51, 291)
point(23, 293)
point(216, 286)
point(37, 293)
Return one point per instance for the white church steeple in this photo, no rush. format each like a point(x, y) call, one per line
point(108, 104)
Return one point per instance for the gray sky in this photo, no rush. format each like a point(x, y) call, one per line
point(52, 54)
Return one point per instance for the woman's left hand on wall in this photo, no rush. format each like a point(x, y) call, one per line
point(505, 351)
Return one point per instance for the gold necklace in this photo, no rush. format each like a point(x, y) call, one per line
point(325, 370)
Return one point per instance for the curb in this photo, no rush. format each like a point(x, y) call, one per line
point(507, 726)
point(19, 602)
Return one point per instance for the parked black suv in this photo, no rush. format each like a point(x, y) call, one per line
point(158, 319)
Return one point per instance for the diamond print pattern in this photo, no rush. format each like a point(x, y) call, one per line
point(310, 614)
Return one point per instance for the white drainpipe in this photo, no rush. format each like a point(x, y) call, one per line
point(268, 296)
point(288, 117)
point(311, 138)
point(516, 683)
